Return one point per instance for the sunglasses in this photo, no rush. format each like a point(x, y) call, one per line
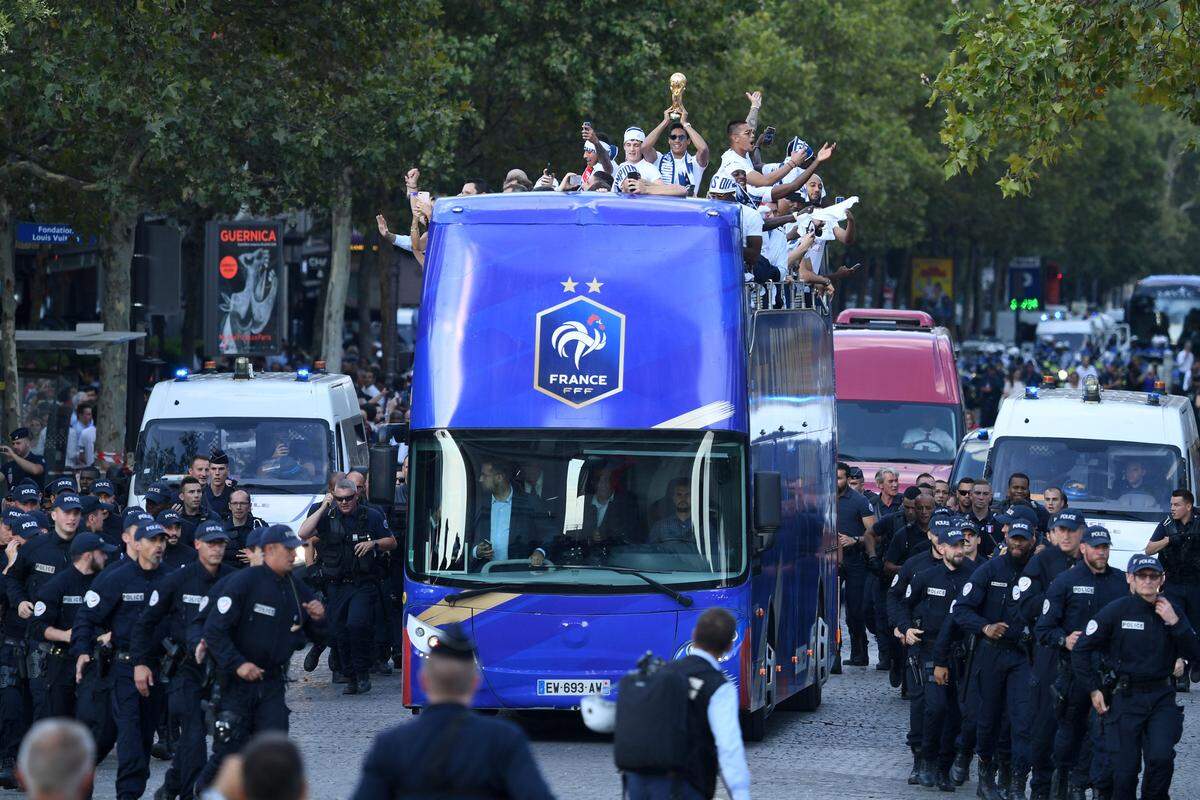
point(344, 498)
point(674, 138)
point(965, 492)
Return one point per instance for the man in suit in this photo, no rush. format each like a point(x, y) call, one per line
point(511, 524)
point(608, 518)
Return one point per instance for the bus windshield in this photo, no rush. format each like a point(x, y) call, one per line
point(287, 456)
point(1127, 477)
point(597, 507)
point(880, 430)
point(1171, 310)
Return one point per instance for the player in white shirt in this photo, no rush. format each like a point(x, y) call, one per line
point(677, 165)
point(636, 175)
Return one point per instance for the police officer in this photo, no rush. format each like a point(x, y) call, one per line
point(876, 545)
point(216, 494)
point(179, 598)
point(1176, 540)
point(914, 686)
point(854, 519)
point(158, 498)
point(448, 750)
point(240, 523)
point(1142, 635)
point(28, 497)
point(134, 517)
point(105, 491)
point(349, 537)
point(889, 498)
point(93, 513)
point(37, 562)
point(20, 463)
point(191, 508)
point(251, 631)
point(1073, 598)
point(54, 609)
point(989, 607)
point(177, 554)
point(15, 708)
point(981, 512)
point(1018, 494)
point(114, 603)
point(923, 618)
point(1066, 529)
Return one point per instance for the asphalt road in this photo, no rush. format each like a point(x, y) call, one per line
point(850, 749)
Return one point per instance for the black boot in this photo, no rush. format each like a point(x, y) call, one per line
point(339, 677)
point(1080, 793)
point(944, 784)
point(896, 671)
point(1016, 785)
point(1058, 785)
point(986, 787)
point(1039, 794)
point(1102, 794)
point(960, 770)
point(364, 684)
point(313, 657)
point(8, 777)
point(928, 773)
point(1003, 776)
point(914, 777)
point(351, 686)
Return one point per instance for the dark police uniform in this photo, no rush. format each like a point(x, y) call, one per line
point(216, 503)
point(39, 560)
point(1041, 570)
point(352, 584)
point(993, 595)
point(1074, 597)
point(877, 584)
point(238, 535)
point(1144, 721)
point(15, 704)
point(1181, 560)
point(449, 751)
point(927, 603)
point(13, 472)
point(852, 509)
point(115, 603)
point(257, 618)
point(179, 599)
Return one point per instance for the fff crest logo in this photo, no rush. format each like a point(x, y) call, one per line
point(580, 349)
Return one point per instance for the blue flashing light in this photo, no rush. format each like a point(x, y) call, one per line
point(302, 374)
point(1031, 393)
point(1153, 399)
point(983, 434)
point(181, 374)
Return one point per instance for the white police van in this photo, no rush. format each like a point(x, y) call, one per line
point(284, 433)
point(1117, 455)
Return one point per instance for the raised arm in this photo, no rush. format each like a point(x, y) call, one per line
point(755, 99)
point(589, 135)
point(648, 151)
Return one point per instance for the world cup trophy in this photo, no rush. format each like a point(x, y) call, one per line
point(678, 84)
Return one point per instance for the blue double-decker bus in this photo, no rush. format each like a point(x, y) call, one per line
point(608, 439)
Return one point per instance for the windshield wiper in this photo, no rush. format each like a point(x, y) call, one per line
point(467, 593)
point(680, 598)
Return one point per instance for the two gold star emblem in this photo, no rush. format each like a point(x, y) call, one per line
point(593, 285)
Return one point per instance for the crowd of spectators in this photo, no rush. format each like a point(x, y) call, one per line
point(787, 215)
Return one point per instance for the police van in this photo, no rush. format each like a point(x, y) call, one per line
point(1116, 455)
point(284, 433)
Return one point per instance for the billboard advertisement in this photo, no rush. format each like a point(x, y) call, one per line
point(932, 280)
point(245, 289)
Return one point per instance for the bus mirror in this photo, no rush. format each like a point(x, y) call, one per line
point(768, 494)
point(381, 479)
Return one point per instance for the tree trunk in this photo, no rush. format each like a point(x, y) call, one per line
point(8, 322)
point(368, 265)
point(193, 289)
point(114, 364)
point(339, 274)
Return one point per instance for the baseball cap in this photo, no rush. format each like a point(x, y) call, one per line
point(967, 524)
point(211, 531)
point(89, 503)
point(279, 534)
point(1142, 561)
point(148, 529)
point(67, 501)
point(941, 523)
point(27, 491)
point(254, 536)
point(722, 184)
point(60, 485)
point(796, 143)
point(168, 517)
point(12, 517)
point(135, 515)
point(1020, 528)
point(1068, 518)
point(87, 542)
point(1097, 535)
point(951, 536)
point(26, 526)
point(20, 433)
point(104, 486)
point(855, 473)
point(1017, 512)
point(157, 494)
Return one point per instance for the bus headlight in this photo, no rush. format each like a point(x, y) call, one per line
point(422, 635)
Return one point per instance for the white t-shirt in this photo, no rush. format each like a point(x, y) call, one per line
point(775, 248)
point(682, 171)
point(730, 161)
point(816, 253)
point(648, 171)
point(752, 224)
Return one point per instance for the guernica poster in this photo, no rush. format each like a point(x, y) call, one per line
point(245, 284)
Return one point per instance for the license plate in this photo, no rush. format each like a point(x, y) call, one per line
point(572, 688)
